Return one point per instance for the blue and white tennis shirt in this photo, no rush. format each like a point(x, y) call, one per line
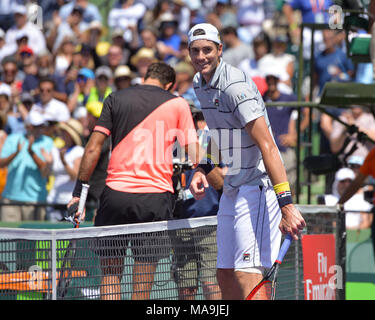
point(229, 102)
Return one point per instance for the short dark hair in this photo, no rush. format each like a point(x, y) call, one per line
point(229, 30)
point(161, 71)
point(48, 79)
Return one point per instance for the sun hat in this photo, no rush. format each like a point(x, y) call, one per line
point(344, 173)
point(204, 31)
point(123, 71)
point(74, 128)
point(35, 119)
point(143, 53)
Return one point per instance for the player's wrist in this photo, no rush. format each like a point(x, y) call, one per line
point(206, 166)
point(283, 194)
point(78, 188)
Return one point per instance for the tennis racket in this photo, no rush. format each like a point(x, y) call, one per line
point(67, 265)
point(266, 288)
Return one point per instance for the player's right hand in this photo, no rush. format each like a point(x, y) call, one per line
point(77, 215)
point(198, 185)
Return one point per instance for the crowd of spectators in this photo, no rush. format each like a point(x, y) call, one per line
point(58, 67)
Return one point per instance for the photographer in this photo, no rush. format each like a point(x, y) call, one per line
point(366, 170)
point(195, 253)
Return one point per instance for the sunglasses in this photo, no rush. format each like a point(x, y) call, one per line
point(26, 54)
point(354, 166)
point(346, 181)
point(81, 79)
point(46, 90)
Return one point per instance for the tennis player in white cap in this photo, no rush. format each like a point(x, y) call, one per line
point(256, 205)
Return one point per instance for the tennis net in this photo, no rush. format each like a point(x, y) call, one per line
point(168, 260)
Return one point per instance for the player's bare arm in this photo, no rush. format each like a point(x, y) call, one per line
point(292, 221)
point(201, 179)
point(89, 161)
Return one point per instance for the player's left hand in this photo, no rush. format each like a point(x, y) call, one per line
point(292, 221)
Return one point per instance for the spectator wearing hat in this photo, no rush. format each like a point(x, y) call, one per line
point(235, 50)
point(141, 61)
point(184, 82)
point(169, 40)
point(26, 59)
point(84, 83)
point(64, 55)
point(354, 220)
point(27, 158)
point(4, 49)
point(355, 162)
point(92, 36)
point(65, 165)
point(101, 90)
point(36, 39)
point(122, 77)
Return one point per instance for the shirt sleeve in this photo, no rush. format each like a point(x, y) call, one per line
point(368, 167)
point(186, 124)
point(105, 121)
point(244, 102)
point(9, 147)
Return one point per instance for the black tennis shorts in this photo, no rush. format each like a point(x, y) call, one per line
point(125, 208)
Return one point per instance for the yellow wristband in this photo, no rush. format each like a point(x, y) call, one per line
point(281, 187)
point(212, 158)
point(293, 26)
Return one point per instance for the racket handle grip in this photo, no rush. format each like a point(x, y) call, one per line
point(82, 200)
point(284, 248)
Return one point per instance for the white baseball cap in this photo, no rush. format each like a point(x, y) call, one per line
point(204, 31)
point(344, 173)
point(35, 118)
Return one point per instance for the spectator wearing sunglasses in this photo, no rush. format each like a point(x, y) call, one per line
point(48, 106)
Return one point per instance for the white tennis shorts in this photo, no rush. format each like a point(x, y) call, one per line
point(248, 232)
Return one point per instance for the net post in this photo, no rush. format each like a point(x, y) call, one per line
point(341, 250)
point(53, 264)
